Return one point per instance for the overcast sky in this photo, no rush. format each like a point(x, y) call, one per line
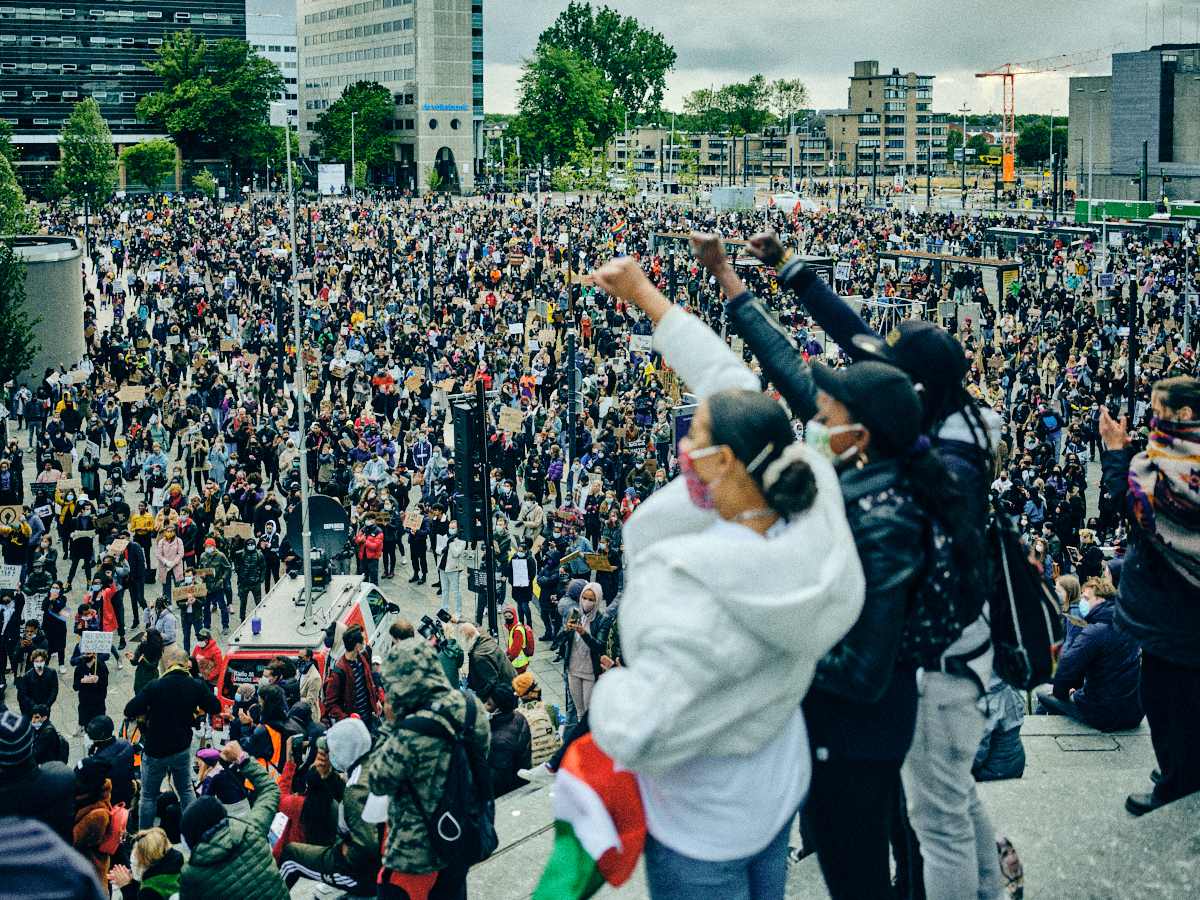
point(726, 41)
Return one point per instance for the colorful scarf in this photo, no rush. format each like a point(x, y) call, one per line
point(1164, 490)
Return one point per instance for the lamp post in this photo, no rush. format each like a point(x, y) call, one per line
point(353, 163)
point(1091, 97)
point(1052, 183)
point(963, 168)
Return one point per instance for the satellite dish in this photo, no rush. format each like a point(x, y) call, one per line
point(328, 521)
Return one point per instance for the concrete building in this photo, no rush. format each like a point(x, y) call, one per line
point(1152, 98)
point(428, 53)
point(889, 122)
point(271, 31)
point(54, 292)
point(54, 57)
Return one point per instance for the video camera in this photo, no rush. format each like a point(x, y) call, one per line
point(449, 653)
point(432, 630)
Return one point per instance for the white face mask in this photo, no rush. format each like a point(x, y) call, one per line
point(39, 665)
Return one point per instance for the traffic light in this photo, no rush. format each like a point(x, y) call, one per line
point(1163, 174)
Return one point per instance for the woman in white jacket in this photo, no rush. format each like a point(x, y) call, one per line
point(741, 575)
point(451, 560)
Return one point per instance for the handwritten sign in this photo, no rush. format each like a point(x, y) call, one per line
point(189, 592)
point(96, 642)
point(414, 383)
point(68, 484)
point(117, 547)
point(639, 343)
point(240, 530)
point(11, 516)
point(510, 419)
point(10, 577)
point(65, 461)
point(132, 393)
point(413, 520)
point(546, 336)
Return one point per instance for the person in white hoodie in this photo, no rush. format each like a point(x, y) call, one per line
point(741, 575)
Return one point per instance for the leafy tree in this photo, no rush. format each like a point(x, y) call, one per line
point(981, 147)
point(563, 97)
point(215, 96)
point(371, 105)
point(701, 112)
point(88, 168)
point(13, 218)
point(737, 108)
point(633, 59)
point(787, 97)
point(954, 140)
point(1061, 148)
point(18, 343)
point(433, 180)
point(6, 140)
point(149, 162)
point(205, 183)
point(360, 175)
point(1033, 146)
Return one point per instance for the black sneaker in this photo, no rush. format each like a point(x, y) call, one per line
point(1140, 804)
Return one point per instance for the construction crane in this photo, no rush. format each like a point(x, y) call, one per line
point(1049, 64)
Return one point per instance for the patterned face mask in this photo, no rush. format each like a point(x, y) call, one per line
point(698, 492)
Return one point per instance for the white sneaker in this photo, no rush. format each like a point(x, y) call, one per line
point(62, 670)
point(542, 774)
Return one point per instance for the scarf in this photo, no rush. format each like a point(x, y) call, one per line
point(1164, 486)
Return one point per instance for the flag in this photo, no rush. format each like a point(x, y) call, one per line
point(599, 828)
point(796, 209)
point(620, 226)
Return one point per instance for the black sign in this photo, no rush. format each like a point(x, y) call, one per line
point(477, 580)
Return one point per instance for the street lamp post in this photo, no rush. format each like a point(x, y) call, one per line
point(963, 168)
point(1091, 97)
point(353, 163)
point(1053, 185)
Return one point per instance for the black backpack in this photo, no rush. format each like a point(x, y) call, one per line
point(938, 609)
point(462, 828)
point(1025, 620)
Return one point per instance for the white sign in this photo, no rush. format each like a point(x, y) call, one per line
point(842, 271)
point(331, 178)
point(278, 115)
point(10, 577)
point(96, 642)
point(639, 342)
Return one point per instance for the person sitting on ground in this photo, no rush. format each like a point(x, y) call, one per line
point(154, 870)
point(1097, 678)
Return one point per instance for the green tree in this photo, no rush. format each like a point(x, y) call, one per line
point(205, 183)
point(18, 343)
point(149, 162)
point(634, 60)
point(88, 168)
point(981, 147)
point(739, 108)
point(433, 180)
point(563, 97)
point(13, 217)
point(954, 140)
point(701, 112)
point(371, 105)
point(214, 98)
point(1033, 146)
point(787, 97)
point(6, 149)
point(1061, 148)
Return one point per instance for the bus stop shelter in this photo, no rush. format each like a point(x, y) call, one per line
point(998, 274)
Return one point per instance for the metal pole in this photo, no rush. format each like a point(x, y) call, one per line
point(1132, 341)
point(306, 534)
point(791, 147)
point(570, 375)
point(353, 162)
point(489, 552)
point(928, 173)
point(1187, 290)
point(963, 167)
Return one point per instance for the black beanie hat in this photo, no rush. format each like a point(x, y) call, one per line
point(200, 816)
point(16, 739)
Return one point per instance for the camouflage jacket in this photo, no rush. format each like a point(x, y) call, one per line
point(414, 681)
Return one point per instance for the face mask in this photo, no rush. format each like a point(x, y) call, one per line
point(210, 549)
point(39, 665)
point(818, 434)
point(587, 605)
point(187, 580)
point(698, 492)
point(96, 587)
point(264, 680)
point(1084, 609)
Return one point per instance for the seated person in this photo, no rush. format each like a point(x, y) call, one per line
point(1098, 678)
point(1001, 754)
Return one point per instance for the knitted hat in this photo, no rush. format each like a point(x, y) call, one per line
point(210, 542)
point(523, 683)
point(198, 818)
point(16, 739)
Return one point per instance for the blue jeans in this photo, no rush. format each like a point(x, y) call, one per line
point(221, 600)
point(179, 765)
point(673, 876)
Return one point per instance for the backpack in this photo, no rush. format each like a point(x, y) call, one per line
point(118, 819)
point(530, 643)
point(462, 828)
point(64, 749)
point(543, 732)
point(937, 609)
point(1025, 621)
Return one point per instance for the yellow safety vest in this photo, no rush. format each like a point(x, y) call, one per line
point(520, 660)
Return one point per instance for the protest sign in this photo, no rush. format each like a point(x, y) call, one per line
point(131, 393)
point(10, 577)
point(598, 561)
point(189, 591)
point(96, 642)
point(413, 520)
point(510, 419)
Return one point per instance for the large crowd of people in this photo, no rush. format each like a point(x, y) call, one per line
point(831, 434)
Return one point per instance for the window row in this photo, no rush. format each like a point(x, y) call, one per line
point(354, 9)
point(333, 59)
point(120, 16)
point(359, 31)
point(68, 68)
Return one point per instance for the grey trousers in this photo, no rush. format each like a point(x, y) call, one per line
point(179, 765)
point(958, 843)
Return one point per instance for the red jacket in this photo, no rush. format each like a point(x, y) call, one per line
point(370, 546)
point(339, 690)
point(206, 655)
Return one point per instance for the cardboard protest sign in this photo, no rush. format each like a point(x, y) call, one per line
point(414, 383)
point(10, 577)
point(65, 461)
point(547, 336)
point(96, 642)
point(240, 530)
point(538, 543)
point(510, 419)
point(598, 561)
point(131, 393)
point(11, 516)
point(159, 394)
point(68, 484)
point(619, 434)
point(413, 520)
point(447, 385)
point(189, 591)
point(117, 547)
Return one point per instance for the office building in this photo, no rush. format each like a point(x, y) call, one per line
point(889, 122)
point(271, 32)
point(51, 57)
point(1149, 104)
point(429, 55)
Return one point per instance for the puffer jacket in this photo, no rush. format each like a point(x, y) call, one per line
point(1104, 666)
point(234, 859)
point(1168, 630)
point(404, 762)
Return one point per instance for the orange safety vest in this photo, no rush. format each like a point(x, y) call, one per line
point(274, 765)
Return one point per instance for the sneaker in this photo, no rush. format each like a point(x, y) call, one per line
point(62, 670)
point(542, 774)
point(1010, 869)
point(795, 854)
